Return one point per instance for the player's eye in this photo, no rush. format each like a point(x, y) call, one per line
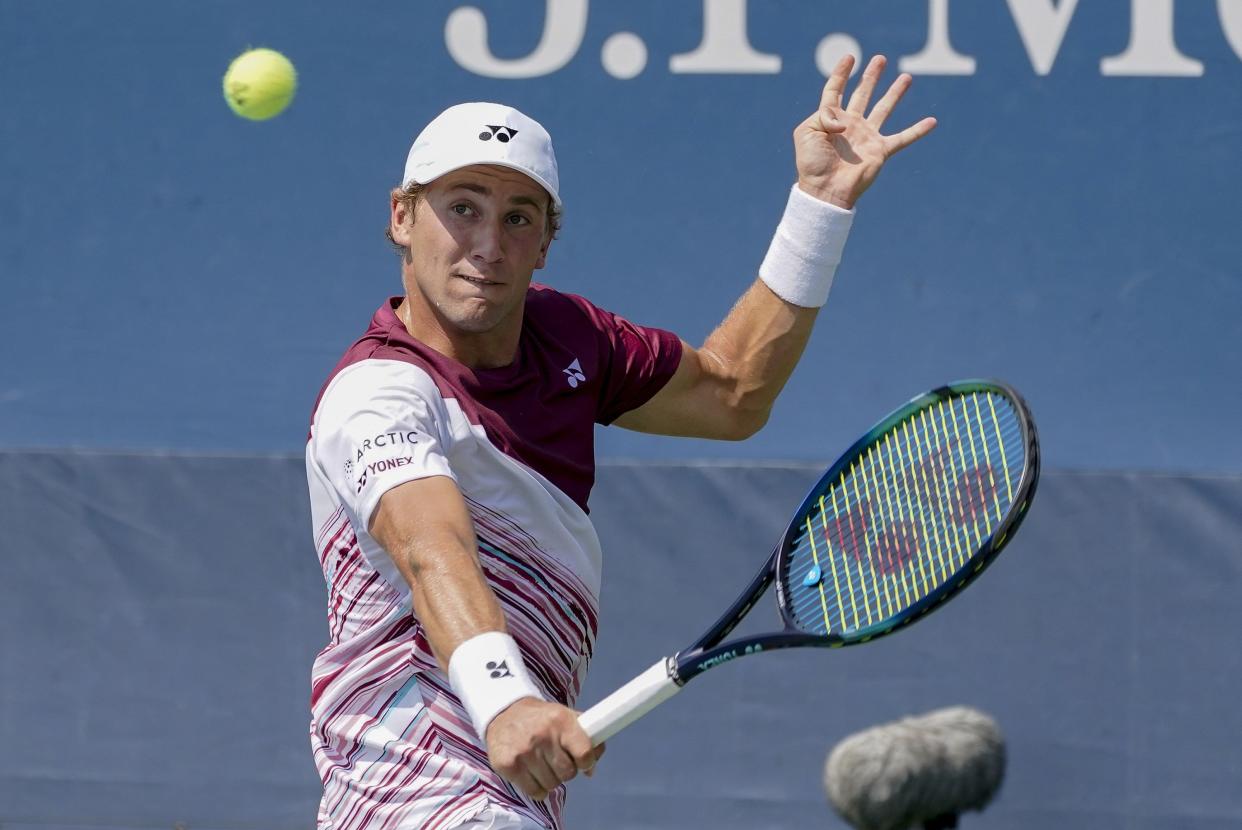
point(461, 209)
point(517, 219)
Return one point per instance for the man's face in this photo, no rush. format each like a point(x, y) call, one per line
point(477, 236)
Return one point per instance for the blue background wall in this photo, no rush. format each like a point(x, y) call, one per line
point(175, 277)
point(175, 283)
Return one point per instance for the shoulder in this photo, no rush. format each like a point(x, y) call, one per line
point(380, 376)
point(378, 388)
point(383, 364)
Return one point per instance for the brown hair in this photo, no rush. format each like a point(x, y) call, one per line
point(412, 192)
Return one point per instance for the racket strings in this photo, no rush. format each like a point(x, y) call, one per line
point(907, 516)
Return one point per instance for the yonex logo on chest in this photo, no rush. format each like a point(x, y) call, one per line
point(501, 134)
point(573, 373)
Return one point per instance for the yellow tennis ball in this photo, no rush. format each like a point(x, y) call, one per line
point(259, 84)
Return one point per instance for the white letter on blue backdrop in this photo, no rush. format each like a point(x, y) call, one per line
point(1152, 50)
point(1231, 22)
point(564, 26)
point(725, 48)
point(1042, 25)
point(938, 57)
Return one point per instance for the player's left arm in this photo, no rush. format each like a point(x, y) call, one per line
point(726, 387)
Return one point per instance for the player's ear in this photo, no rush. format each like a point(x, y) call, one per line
point(551, 222)
point(543, 251)
point(401, 217)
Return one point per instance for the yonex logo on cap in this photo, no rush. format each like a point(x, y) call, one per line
point(502, 134)
point(444, 145)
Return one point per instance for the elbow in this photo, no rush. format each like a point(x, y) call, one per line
point(744, 423)
point(740, 414)
point(739, 405)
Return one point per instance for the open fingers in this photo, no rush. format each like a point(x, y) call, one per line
point(884, 107)
point(835, 86)
point(900, 141)
point(866, 86)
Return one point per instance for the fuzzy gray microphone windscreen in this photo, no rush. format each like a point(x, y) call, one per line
point(917, 769)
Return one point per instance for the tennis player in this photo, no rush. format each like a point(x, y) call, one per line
point(450, 460)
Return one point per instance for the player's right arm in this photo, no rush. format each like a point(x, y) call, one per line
point(380, 438)
point(425, 527)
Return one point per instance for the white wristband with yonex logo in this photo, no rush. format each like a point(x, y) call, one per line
point(806, 250)
point(488, 675)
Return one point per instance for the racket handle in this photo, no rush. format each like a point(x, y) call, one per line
point(629, 703)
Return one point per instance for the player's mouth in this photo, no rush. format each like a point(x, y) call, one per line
point(483, 281)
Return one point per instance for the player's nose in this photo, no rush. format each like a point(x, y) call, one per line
point(486, 244)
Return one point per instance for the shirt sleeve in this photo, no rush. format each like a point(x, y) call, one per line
point(640, 360)
point(378, 425)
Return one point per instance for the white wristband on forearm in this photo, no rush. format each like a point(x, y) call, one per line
point(806, 250)
point(488, 675)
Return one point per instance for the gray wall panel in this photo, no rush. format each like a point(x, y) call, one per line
point(159, 614)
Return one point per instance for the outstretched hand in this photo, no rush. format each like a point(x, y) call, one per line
point(840, 151)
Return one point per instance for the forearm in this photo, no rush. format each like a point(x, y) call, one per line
point(754, 350)
point(757, 347)
point(451, 598)
point(725, 388)
point(429, 535)
point(426, 528)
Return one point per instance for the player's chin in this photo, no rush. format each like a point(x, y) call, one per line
point(477, 315)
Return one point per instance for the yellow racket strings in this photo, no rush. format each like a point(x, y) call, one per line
point(905, 516)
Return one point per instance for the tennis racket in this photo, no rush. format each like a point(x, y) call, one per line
point(903, 521)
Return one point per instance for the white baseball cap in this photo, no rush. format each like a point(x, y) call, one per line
point(482, 133)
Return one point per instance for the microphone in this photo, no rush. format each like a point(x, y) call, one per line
point(924, 770)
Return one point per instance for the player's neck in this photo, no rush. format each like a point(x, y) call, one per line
point(478, 350)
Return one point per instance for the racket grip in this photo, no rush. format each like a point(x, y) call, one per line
point(629, 703)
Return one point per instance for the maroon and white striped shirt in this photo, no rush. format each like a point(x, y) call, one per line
point(392, 743)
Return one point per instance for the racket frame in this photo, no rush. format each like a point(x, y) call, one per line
point(667, 676)
point(708, 650)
